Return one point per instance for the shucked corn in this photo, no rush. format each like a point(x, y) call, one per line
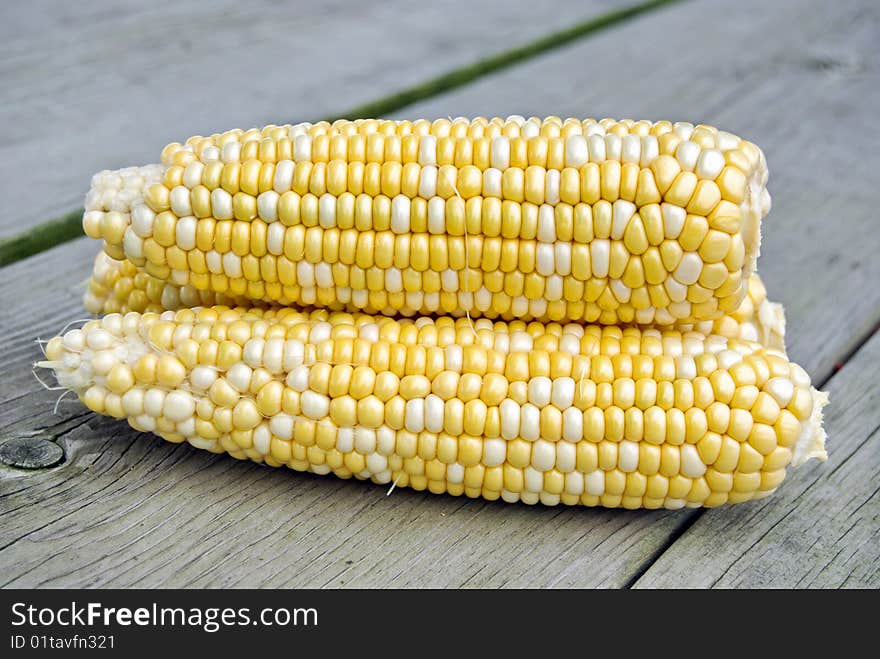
point(120, 287)
point(608, 221)
point(595, 415)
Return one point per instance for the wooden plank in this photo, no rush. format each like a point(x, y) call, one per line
point(821, 529)
point(798, 79)
point(237, 524)
point(57, 282)
point(129, 509)
point(109, 84)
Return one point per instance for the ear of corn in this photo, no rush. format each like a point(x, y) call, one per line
point(598, 221)
point(757, 319)
point(120, 287)
point(617, 223)
point(593, 415)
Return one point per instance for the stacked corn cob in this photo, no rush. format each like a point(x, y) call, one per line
point(519, 234)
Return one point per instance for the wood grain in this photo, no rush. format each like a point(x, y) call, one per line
point(133, 510)
point(127, 509)
point(107, 84)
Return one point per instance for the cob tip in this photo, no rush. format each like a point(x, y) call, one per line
point(112, 198)
point(811, 443)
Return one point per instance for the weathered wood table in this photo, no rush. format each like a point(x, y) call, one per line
point(107, 84)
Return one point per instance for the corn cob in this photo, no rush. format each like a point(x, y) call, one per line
point(594, 415)
point(757, 319)
point(608, 221)
point(120, 287)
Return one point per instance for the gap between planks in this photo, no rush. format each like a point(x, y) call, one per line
point(67, 227)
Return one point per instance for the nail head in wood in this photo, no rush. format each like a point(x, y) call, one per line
point(30, 453)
